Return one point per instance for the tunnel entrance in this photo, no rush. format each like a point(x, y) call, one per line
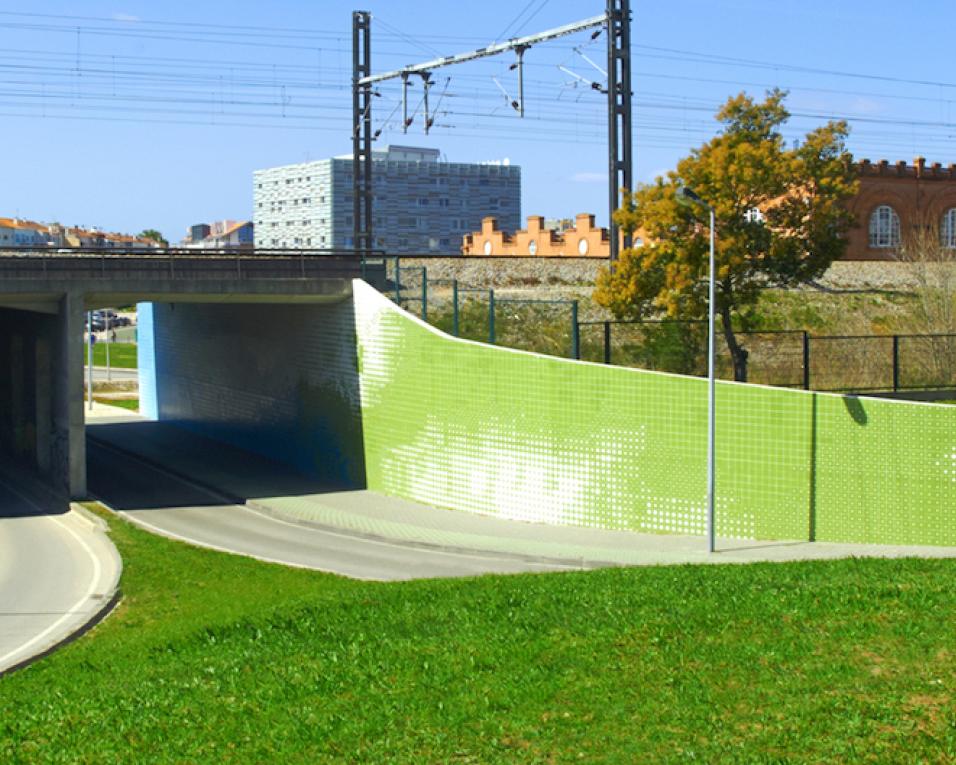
point(33, 411)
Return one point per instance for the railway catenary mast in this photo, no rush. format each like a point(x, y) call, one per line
point(616, 20)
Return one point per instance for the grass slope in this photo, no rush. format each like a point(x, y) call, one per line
point(217, 658)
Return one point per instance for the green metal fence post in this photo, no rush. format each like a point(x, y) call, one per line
point(575, 332)
point(454, 307)
point(607, 342)
point(424, 294)
point(491, 316)
point(806, 360)
point(398, 282)
point(896, 362)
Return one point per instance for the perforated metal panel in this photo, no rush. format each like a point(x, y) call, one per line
point(491, 430)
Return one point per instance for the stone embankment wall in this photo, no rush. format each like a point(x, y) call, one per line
point(491, 272)
point(559, 274)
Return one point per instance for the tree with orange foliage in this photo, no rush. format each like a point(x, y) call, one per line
point(781, 220)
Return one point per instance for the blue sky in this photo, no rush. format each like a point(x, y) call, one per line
point(132, 115)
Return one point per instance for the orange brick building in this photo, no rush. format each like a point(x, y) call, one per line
point(897, 201)
point(581, 240)
point(893, 203)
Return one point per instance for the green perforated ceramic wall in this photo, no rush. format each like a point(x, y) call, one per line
point(489, 430)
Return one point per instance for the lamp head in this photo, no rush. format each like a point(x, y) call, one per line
point(690, 198)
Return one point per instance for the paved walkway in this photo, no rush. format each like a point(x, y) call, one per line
point(58, 570)
point(276, 490)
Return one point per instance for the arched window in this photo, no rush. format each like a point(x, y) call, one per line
point(884, 227)
point(947, 231)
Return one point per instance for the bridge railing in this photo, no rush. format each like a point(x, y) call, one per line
point(186, 264)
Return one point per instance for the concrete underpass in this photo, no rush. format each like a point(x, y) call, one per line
point(43, 302)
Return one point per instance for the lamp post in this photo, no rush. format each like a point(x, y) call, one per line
point(688, 196)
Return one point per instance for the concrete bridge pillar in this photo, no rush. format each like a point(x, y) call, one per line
point(69, 442)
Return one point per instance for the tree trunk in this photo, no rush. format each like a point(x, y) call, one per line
point(738, 354)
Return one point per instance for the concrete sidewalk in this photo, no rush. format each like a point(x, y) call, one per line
point(101, 413)
point(277, 490)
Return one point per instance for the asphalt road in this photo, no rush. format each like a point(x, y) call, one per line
point(56, 572)
point(173, 507)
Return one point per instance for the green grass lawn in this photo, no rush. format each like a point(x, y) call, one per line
point(124, 403)
point(122, 355)
point(216, 658)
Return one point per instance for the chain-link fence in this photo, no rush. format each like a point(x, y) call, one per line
point(680, 347)
point(783, 358)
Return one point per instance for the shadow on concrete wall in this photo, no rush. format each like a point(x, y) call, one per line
point(254, 401)
point(26, 388)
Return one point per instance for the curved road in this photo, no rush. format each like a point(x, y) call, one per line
point(169, 505)
point(56, 573)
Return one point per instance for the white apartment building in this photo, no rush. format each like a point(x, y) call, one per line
point(420, 203)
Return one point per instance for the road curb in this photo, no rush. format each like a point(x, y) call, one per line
point(92, 622)
point(88, 518)
point(86, 523)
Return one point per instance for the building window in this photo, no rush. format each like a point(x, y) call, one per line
point(947, 232)
point(884, 227)
point(582, 246)
point(532, 247)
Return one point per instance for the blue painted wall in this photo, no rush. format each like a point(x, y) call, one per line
point(146, 352)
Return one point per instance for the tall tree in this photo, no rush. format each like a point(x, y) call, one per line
point(780, 213)
point(152, 233)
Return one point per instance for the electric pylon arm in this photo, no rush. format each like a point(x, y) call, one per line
point(490, 50)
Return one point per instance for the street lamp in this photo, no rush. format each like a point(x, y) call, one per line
point(689, 197)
